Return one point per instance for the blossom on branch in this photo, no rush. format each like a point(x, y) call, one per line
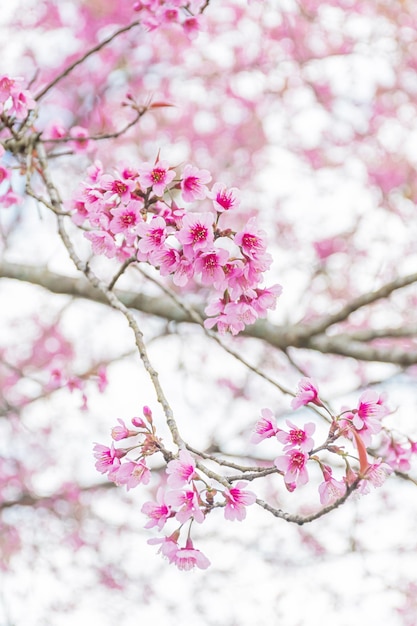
point(307, 392)
point(237, 499)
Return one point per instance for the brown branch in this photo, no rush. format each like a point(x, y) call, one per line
point(280, 337)
point(300, 519)
point(359, 302)
point(85, 56)
point(111, 135)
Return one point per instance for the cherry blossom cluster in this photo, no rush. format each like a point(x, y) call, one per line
point(138, 214)
point(15, 102)
point(359, 425)
point(184, 496)
point(15, 105)
point(188, 492)
point(186, 14)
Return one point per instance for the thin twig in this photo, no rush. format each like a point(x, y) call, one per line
point(85, 56)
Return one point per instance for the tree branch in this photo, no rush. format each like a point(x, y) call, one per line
point(85, 56)
point(281, 337)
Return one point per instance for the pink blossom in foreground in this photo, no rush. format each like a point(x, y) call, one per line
point(157, 176)
point(187, 558)
point(375, 475)
point(236, 500)
point(224, 199)
point(293, 464)
point(210, 266)
point(265, 427)
point(116, 188)
point(188, 503)
point(297, 437)
point(196, 233)
point(153, 235)
point(102, 243)
point(108, 459)
point(331, 490)
point(168, 545)
point(193, 183)
point(181, 470)
point(251, 240)
point(307, 392)
point(131, 474)
point(125, 218)
point(371, 410)
point(158, 512)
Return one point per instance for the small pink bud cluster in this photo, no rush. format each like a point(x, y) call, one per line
point(114, 461)
point(132, 215)
point(358, 424)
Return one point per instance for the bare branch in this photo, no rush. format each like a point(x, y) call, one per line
point(357, 303)
point(281, 337)
point(85, 56)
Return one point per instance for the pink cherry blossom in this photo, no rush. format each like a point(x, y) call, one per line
point(188, 503)
point(121, 432)
point(187, 558)
point(168, 260)
point(371, 410)
point(196, 233)
point(181, 471)
point(7, 85)
point(331, 489)
point(157, 176)
point(131, 474)
point(125, 218)
point(307, 392)
point(102, 243)
point(116, 187)
point(193, 183)
point(297, 437)
point(293, 464)
point(251, 240)
point(237, 498)
point(108, 459)
point(153, 235)
point(168, 546)
point(9, 199)
point(224, 199)
point(265, 427)
point(21, 103)
point(375, 475)
point(158, 512)
point(209, 265)
point(378, 472)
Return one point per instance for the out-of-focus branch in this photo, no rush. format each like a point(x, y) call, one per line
point(281, 337)
point(357, 303)
point(82, 58)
